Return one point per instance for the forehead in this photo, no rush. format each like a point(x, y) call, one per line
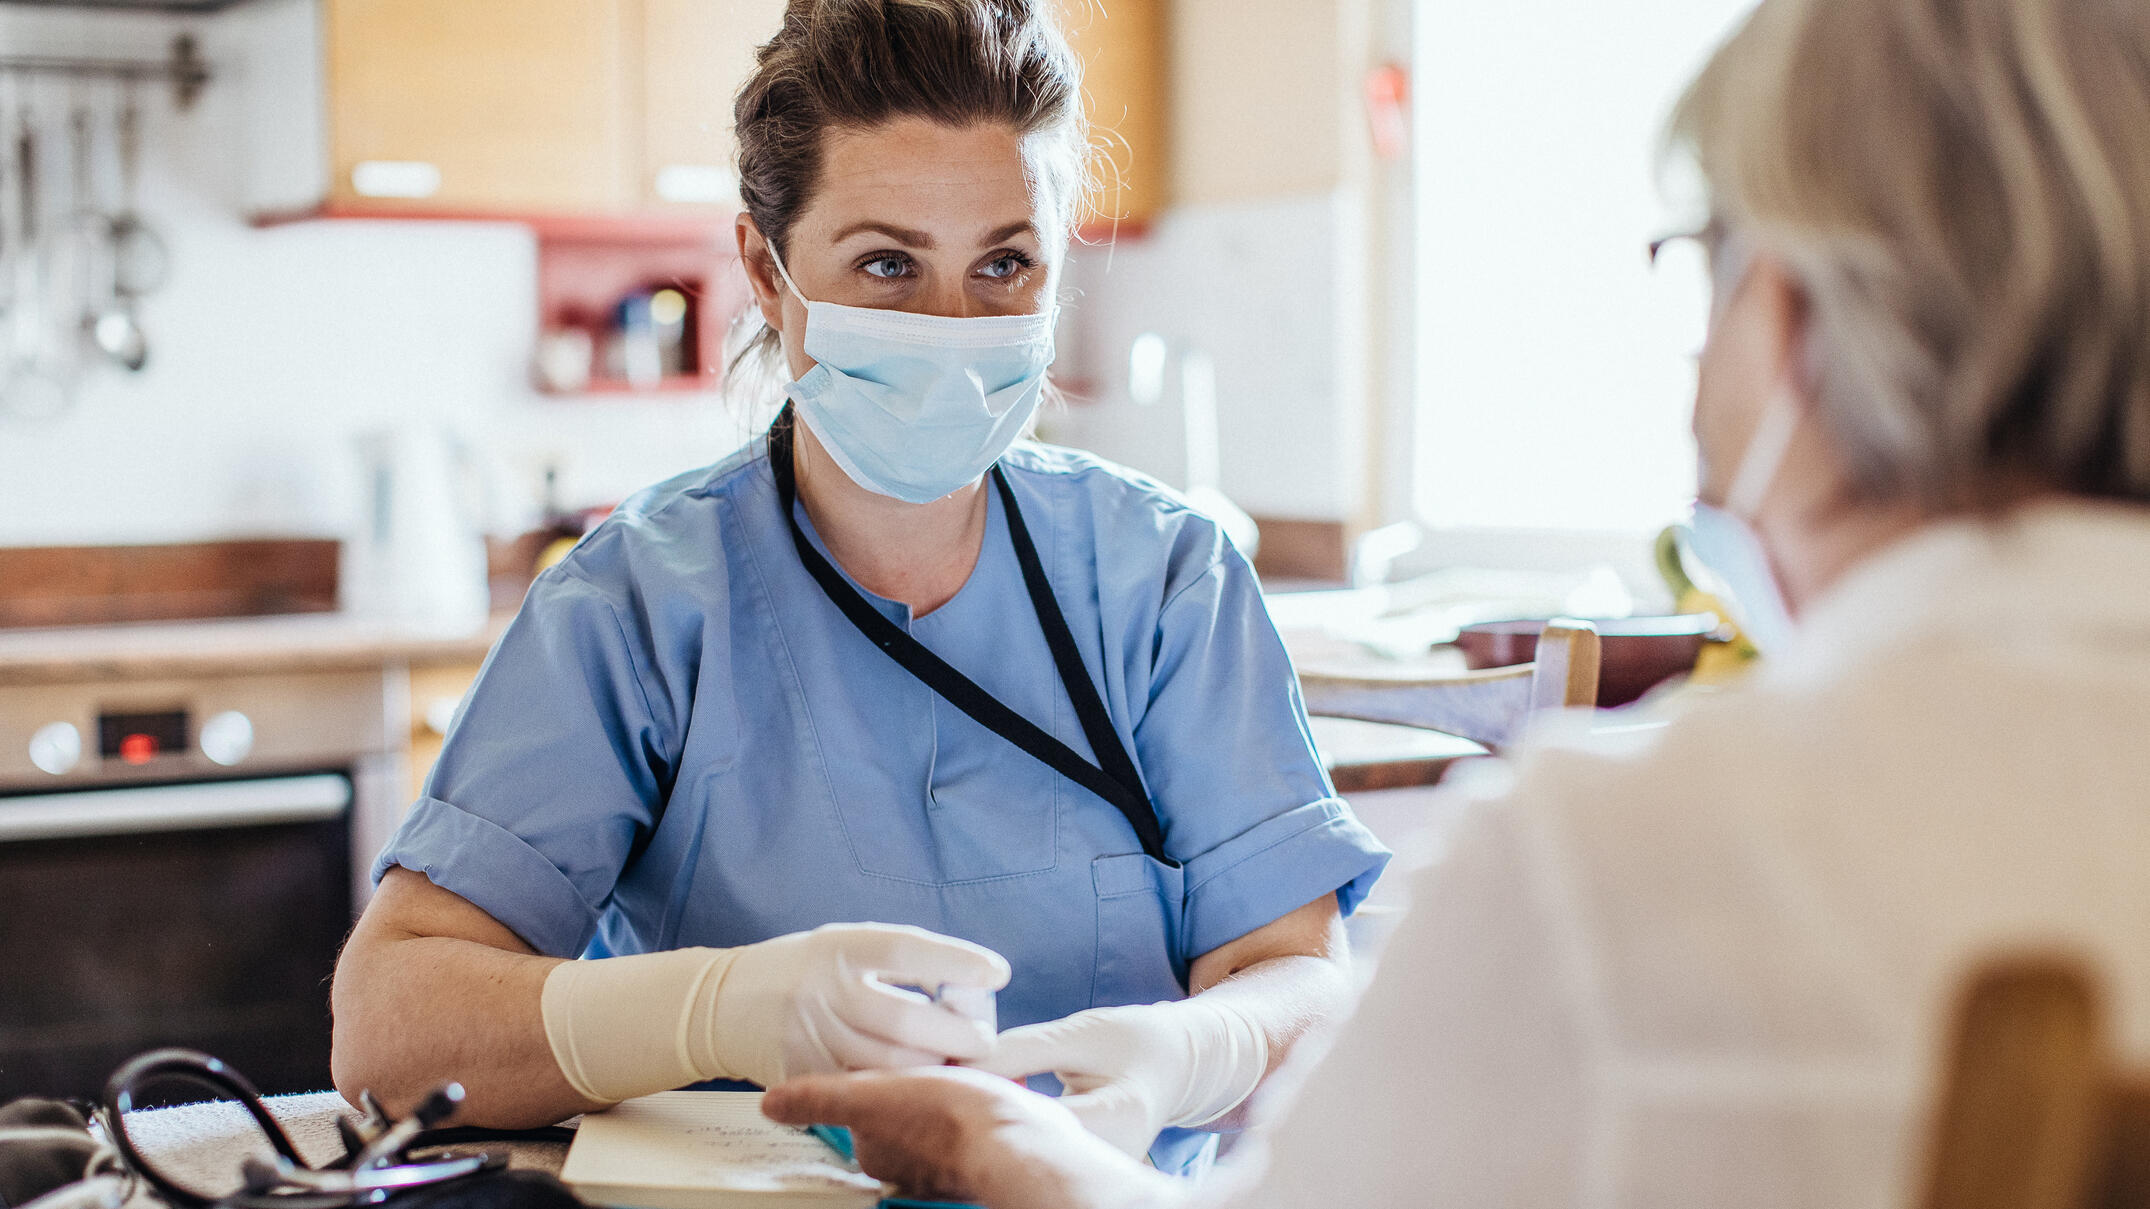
point(931, 175)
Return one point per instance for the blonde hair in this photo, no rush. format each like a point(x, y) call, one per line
point(1962, 188)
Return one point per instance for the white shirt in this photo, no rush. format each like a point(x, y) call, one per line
point(1714, 967)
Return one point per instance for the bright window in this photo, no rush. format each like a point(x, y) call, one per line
point(1555, 369)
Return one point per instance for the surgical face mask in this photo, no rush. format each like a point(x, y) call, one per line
point(917, 406)
point(1725, 541)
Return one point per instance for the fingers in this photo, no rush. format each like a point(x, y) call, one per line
point(832, 1099)
point(1057, 1047)
point(861, 1098)
point(1118, 1114)
point(904, 954)
point(942, 1134)
point(892, 1026)
point(827, 1042)
point(902, 1017)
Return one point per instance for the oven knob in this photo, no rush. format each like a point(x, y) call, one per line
point(56, 748)
point(227, 737)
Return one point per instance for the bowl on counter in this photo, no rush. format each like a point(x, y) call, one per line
point(1635, 654)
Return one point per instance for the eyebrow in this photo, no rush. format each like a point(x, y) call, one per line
point(921, 239)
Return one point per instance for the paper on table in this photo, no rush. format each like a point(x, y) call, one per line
point(707, 1150)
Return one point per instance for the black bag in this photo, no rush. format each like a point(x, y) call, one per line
point(45, 1145)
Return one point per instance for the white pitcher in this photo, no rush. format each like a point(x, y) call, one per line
point(417, 555)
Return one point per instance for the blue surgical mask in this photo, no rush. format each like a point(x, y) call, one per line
point(918, 406)
point(1725, 542)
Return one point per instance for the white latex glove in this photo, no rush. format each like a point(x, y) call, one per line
point(1132, 1071)
point(833, 1000)
point(825, 1000)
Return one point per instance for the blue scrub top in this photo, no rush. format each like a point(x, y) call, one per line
point(680, 741)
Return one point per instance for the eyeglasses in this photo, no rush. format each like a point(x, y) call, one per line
point(1709, 239)
point(1687, 265)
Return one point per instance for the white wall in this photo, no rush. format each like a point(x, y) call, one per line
point(1258, 287)
point(1261, 262)
point(272, 347)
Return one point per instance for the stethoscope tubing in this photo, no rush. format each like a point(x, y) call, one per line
point(291, 1183)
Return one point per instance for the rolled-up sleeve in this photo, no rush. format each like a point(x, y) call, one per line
point(1232, 768)
point(552, 774)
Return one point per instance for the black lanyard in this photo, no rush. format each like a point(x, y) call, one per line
point(1116, 781)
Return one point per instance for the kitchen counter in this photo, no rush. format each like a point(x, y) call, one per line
point(240, 646)
point(1361, 755)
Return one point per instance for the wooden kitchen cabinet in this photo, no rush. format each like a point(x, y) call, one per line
point(696, 53)
point(693, 56)
point(506, 108)
point(1124, 46)
point(510, 108)
point(436, 689)
point(503, 105)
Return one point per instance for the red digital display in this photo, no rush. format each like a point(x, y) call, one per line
point(142, 737)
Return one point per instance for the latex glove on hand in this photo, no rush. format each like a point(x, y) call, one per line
point(832, 999)
point(1133, 1071)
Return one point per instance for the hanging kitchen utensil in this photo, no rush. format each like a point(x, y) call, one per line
point(110, 323)
point(7, 245)
point(79, 266)
point(142, 262)
point(33, 390)
point(70, 245)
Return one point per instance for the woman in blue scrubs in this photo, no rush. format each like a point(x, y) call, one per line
point(887, 704)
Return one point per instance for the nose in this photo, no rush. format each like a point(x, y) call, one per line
point(945, 298)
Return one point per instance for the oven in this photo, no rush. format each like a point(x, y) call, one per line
point(179, 863)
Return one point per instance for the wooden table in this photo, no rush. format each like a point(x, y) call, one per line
point(1365, 756)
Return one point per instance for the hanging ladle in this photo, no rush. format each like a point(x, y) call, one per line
point(140, 261)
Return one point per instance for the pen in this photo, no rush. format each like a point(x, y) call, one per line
point(837, 1138)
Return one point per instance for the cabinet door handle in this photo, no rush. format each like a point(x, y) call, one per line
point(696, 183)
point(156, 808)
point(395, 178)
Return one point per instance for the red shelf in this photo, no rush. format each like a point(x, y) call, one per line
point(620, 227)
point(633, 227)
point(588, 262)
point(678, 384)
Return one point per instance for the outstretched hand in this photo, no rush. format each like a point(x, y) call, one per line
point(1131, 1071)
point(953, 1134)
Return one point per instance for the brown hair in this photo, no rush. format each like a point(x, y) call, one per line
point(1962, 187)
point(854, 64)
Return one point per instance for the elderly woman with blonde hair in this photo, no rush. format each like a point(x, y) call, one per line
point(1714, 965)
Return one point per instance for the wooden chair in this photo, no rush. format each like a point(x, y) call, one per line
point(1487, 707)
point(2033, 1114)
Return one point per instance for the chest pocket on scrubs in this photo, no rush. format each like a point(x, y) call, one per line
point(1140, 904)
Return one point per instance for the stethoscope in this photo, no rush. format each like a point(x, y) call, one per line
point(377, 1164)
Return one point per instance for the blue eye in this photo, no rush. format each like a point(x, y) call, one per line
point(886, 265)
point(1006, 265)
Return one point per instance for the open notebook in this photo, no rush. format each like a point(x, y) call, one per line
point(708, 1150)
